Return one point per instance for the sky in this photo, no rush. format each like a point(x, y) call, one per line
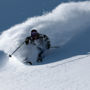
point(16, 11)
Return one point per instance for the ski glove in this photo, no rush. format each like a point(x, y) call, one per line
point(27, 41)
point(48, 45)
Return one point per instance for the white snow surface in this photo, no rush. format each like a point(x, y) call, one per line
point(62, 75)
point(65, 68)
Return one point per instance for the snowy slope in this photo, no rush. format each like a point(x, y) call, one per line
point(62, 75)
point(65, 68)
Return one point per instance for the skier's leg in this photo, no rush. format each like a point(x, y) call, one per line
point(39, 59)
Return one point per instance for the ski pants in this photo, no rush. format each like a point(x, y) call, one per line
point(41, 52)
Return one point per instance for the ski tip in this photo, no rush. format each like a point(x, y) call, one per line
point(28, 63)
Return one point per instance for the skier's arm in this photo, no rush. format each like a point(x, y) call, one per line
point(27, 40)
point(48, 45)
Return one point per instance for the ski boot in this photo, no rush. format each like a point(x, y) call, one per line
point(39, 59)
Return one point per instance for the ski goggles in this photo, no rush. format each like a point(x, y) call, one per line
point(33, 34)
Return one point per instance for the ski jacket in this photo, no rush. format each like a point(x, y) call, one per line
point(42, 41)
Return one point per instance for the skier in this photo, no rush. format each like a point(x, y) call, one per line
point(41, 41)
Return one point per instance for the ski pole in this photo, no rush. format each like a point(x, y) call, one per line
point(10, 55)
point(55, 46)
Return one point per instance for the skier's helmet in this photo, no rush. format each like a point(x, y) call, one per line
point(34, 33)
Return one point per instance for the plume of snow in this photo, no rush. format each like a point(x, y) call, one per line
point(61, 24)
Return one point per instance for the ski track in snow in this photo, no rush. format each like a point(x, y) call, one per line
point(65, 68)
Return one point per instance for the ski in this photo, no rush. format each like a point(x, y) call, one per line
point(25, 61)
point(55, 46)
point(28, 62)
